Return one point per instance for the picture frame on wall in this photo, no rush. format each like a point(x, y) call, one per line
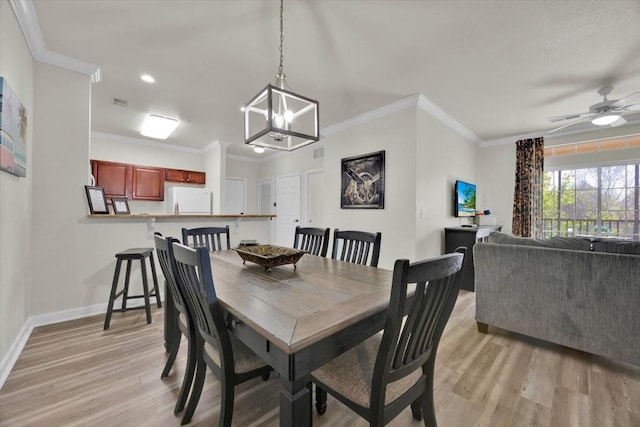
point(120, 206)
point(97, 200)
point(362, 183)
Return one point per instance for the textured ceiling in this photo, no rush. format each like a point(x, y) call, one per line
point(500, 68)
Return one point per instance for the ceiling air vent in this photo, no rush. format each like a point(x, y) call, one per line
point(120, 102)
point(318, 153)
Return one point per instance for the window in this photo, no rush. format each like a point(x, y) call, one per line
point(596, 201)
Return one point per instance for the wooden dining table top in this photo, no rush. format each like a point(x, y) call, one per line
point(294, 308)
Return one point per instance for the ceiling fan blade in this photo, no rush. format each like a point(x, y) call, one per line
point(627, 102)
point(575, 122)
point(618, 122)
point(566, 117)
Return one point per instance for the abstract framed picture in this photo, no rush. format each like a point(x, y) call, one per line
point(97, 200)
point(362, 184)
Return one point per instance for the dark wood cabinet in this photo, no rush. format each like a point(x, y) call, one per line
point(130, 181)
point(189, 177)
point(467, 237)
point(115, 178)
point(147, 183)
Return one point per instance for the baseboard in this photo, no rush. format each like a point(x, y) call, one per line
point(14, 351)
point(40, 320)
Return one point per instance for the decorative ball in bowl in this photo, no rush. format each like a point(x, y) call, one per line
point(269, 256)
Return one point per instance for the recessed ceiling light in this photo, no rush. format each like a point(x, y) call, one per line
point(605, 120)
point(147, 78)
point(258, 150)
point(158, 127)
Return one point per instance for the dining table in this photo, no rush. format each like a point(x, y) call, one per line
point(298, 317)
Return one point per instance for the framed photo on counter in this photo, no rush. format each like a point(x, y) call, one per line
point(120, 206)
point(97, 200)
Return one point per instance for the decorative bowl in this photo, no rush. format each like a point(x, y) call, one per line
point(269, 255)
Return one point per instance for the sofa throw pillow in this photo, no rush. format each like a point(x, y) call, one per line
point(572, 243)
point(617, 246)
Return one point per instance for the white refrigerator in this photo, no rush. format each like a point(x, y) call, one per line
point(188, 200)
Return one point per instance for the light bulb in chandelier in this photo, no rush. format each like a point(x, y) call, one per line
point(278, 120)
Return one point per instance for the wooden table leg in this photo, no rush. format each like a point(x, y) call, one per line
point(295, 403)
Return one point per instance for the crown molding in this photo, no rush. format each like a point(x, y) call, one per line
point(408, 102)
point(145, 143)
point(430, 107)
point(417, 100)
point(28, 21)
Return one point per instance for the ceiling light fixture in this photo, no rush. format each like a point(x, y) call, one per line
point(605, 120)
point(258, 149)
point(158, 127)
point(278, 118)
point(147, 78)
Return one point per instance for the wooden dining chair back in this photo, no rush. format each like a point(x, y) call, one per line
point(395, 369)
point(313, 240)
point(211, 238)
point(183, 322)
point(356, 246)
point(229, 359)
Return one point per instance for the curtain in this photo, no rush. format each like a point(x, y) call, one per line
point(527, 197)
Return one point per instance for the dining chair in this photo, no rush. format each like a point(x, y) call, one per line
point(386, 373)
point(209, 237)
point(313, 240)
point(183, 320)
point(356, 246)
point(228, 358)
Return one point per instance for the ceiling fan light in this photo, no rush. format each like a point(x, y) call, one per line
point(605, 120)
point(158, 127)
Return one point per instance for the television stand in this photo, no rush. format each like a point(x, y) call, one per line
point(467, 237)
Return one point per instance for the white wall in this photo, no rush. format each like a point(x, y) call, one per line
point(62, 244)
point(442, 156)
point(394, 133)
point(496, 182)
point(16, 66)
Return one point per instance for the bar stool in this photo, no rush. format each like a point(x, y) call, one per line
point(130, 255)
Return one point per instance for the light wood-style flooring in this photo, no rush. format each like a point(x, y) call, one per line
point(76, 374)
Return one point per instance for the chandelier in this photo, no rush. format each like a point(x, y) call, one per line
point(277, 117)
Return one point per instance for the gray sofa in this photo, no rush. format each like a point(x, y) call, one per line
point(578, 292)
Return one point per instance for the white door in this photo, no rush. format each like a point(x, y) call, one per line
point(287, 208)
point(234, 196)
point(314, 199)
point(266, 203)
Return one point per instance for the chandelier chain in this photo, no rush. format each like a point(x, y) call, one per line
point(281, 36)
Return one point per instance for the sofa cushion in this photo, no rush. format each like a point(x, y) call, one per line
point(572, 243)
point(615, 246)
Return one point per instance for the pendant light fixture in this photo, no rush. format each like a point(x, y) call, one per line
point(279, 118)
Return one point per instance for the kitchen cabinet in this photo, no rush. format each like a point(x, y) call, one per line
point(147, 183)
point(131, 181)
point(115, 178)
point(189, 177)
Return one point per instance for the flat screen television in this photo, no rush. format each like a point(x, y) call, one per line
point(465, 199)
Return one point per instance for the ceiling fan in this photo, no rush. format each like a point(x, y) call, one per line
point(607, 112)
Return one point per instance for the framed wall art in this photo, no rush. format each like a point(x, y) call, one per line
point(97, 200)
point(362, 184)
point(120, 206)
point(13, 132)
